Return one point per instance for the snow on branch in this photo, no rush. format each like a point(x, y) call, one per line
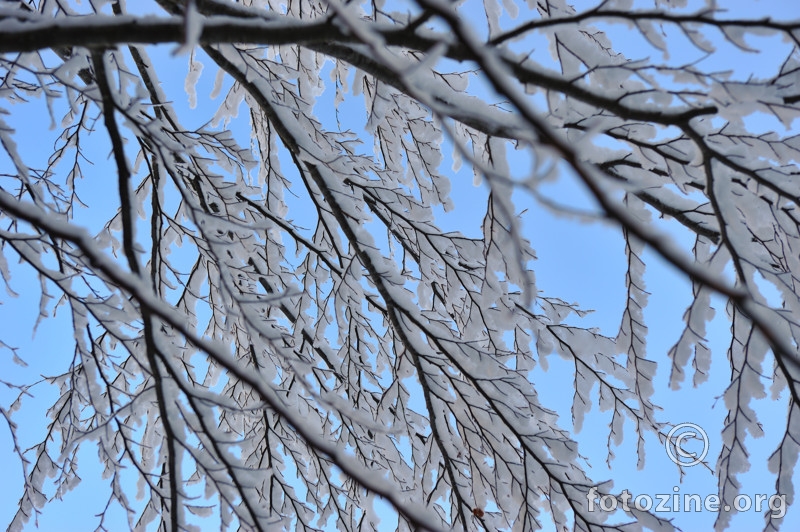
point(293, 309)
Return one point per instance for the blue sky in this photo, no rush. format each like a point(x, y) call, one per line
point(578, 261)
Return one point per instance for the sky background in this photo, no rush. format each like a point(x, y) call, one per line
point(578, 262)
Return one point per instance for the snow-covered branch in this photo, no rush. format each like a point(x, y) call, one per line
point(275, 323)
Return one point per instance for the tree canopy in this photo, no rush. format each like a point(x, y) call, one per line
point(275, 324)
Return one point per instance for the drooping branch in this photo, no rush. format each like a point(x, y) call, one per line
point(141, 290)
